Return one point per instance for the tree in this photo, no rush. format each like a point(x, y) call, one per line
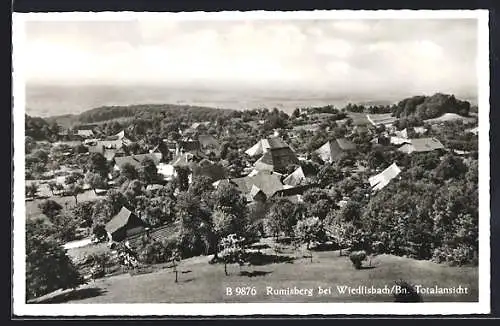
point(95, 180)
point(229, 199)
point(310, 230)
point(280, 217)
point(148, 171)
point(74, 189)
point(129, 171)
point(83, 212)
point(318, 203)
point(55, 186)
point(50, 208)
point(194, 218)
point(31, 190)
point(225, 224)
point(182, 177)
point(232, 251)
point(98, 164)
point(48, 268)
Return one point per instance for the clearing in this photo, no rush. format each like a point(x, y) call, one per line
point(201, 282)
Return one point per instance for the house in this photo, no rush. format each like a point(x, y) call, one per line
point(421, 145)
point(264, 145)
point(276, 159)
point(258, 187)
point(85, 133)
point(123, 225)
point(331, 150)
point(134, 160)
point(473, 131)
point(208, 143)
point(379, 181)
point(166, 170)
point(187, 145)
point(419, 130)
point(195, 127)
point(296, 178)
point(116, 141)
point(209, 169)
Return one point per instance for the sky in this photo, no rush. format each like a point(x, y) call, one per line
point(423, 56)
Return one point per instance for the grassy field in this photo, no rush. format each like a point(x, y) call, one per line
point(68, 202)
point(201, 282)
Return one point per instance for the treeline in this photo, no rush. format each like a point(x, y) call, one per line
point(39, 129)
point(113, 112)
point(428, 107)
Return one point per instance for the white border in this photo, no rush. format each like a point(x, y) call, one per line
point(20, 308)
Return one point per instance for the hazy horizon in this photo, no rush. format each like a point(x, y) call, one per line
point(245, 63)
point(54, 100)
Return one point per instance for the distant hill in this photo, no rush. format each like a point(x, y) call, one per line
point(107, 113)
point(430, 107)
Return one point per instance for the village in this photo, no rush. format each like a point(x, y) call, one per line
point(358, 181)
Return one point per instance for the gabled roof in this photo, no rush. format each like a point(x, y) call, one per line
point(208, 141)
point(268, 183)
point(332, 149)
point(382, 179)
point(295, 178)
point(421, 145)
point(120, 220)
point(85, 132)
point(276, 159)
point(183, 160)
point(135, 160)
point(266, 144)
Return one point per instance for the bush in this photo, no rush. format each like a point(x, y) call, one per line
point(461, 255)
point(406, 293)
point(357, 258)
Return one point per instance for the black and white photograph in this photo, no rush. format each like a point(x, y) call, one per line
point(243, 163)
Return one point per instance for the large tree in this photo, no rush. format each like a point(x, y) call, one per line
point(95, 181)
point(98, 164)
point(48, 268)
point(148, 171)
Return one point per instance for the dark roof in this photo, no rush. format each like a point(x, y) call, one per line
point(332, 149)
point(276, 159)
point(276, 143)
point(345, 144)
point(298, 190)
point(268, 183)
point(208, 141)
point(162, 233)
point(422, 145)
point(120, 220)
point(135, 160)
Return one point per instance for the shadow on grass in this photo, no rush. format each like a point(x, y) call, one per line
point(186, 272)
point(367, 267)
point(254, 273)
point(78, 294)
point(259, 259)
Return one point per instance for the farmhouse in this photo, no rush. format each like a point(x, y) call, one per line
point(264, 145)
point(421, 145)
point(296, 178)
point(260, 186)
point(123, 225)
point(135, 160)
point(331, 150)
point(208, 143)
point(379, 181)
point(85, 133)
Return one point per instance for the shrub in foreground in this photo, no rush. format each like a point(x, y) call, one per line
point(357, 258)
